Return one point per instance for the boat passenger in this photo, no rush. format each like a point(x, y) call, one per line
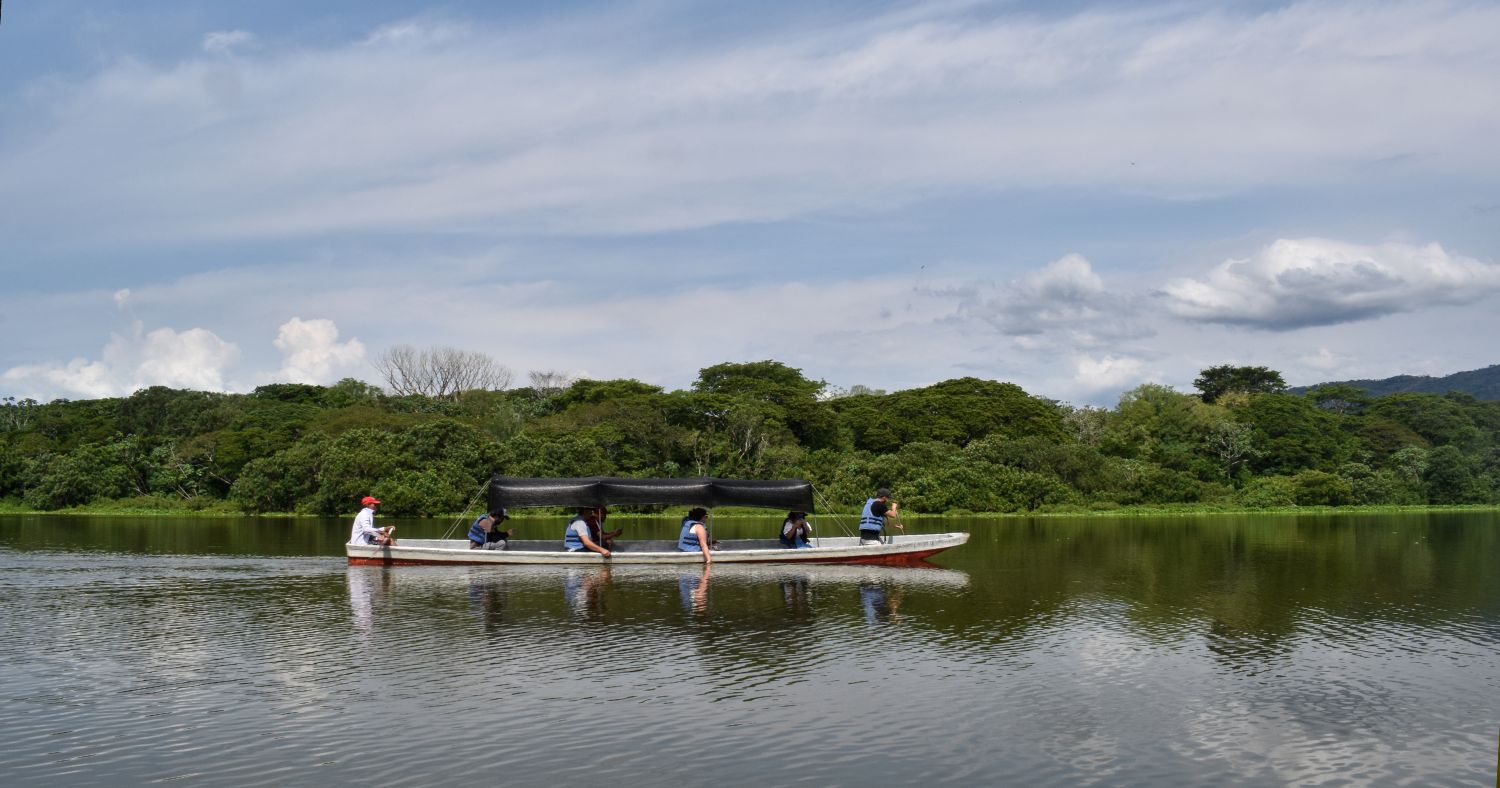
point(606, 538)
point(364, 531)
point(581, 532)
point(486, 534)
point(694, 537)
point(873, 518)
point(796, 531)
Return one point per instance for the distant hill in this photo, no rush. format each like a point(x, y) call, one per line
point(1482, 383)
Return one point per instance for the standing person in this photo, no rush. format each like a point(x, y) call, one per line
point(694, 537)
point(485, 533)
point(877, 512)
point(580, 534)
point(796, 531)
point(364, 531)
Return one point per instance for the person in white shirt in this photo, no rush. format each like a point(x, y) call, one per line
point(796, 531)
point(364, 531)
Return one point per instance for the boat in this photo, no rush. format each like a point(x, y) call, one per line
point(511, 492)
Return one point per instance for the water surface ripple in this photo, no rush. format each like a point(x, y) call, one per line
point(1184, 651)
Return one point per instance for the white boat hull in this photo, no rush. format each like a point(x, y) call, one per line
point(897, 550)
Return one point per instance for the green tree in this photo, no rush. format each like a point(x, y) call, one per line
point(1215, 382)
point(1341, 398)
point(1411, 463)
point(1294, 434)
point(1233, 444)
point(767, 381)
point(1156, 423)
point(1440, 421)
point(1318, 488)
point(1269, 492)
point(954, 411)
point(286, 481)
point(1451, 477)
point(16, 416)
point(350, 391)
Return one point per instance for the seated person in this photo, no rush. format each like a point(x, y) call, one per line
point(606, 538)
point(486, 534)
point(694, 537)
point(796, 531)
point(580, 534)
point(365, 532)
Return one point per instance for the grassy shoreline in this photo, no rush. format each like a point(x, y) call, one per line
point(223, 510)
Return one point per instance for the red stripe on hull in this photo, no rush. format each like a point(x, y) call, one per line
point(899, 559)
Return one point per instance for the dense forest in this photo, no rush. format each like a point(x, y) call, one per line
point(965, 445)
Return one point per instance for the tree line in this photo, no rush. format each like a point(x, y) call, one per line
point(963, 445)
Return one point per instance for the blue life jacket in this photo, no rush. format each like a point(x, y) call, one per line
point(570, 537)
point(496, 534)
point(688, 541)
point(868, 521)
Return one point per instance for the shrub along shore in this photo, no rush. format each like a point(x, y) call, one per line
point(963, 446)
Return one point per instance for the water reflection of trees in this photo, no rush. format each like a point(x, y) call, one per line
point(1247, 586)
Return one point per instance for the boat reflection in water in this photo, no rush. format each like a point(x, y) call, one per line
point(489, 601)
point(880, 603)
point(770, 594)
point(692, 587)
point(368, 587)
point(584, 591)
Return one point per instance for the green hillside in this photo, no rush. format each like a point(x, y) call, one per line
point(1478, 383)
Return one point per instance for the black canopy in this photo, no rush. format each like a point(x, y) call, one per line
point(516, 492)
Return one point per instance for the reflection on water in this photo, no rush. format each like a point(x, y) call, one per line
point(879, 602)
point(692, 587)
point(1178, 651)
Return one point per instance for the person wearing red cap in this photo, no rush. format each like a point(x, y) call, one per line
point(364, 531)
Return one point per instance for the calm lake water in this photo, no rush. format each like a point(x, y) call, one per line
point(1224, 650)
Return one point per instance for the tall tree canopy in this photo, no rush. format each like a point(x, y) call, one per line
point(1213, 383)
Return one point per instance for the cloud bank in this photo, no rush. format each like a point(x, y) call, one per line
point(456, 127)
point(191, 359)
point(1294, 284)
point(1062, 329)
point(195, 358)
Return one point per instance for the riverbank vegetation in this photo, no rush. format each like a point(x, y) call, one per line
point(960, 446)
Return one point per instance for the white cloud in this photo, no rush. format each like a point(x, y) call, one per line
point(121, 297)
point(311, 352)
point(191, 359)
point(1107, 373)
point(1066, 291)
point(224, 41)
point(1324, 360)
point(1064, 304)
point(425, 127)
point(1293, 284)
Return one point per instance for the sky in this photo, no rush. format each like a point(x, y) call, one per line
point(1075, 197)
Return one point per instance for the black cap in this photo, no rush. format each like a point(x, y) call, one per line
point(883, 493)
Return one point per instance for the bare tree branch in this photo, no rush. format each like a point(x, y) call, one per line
point(440, 372)
point(550, 382)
